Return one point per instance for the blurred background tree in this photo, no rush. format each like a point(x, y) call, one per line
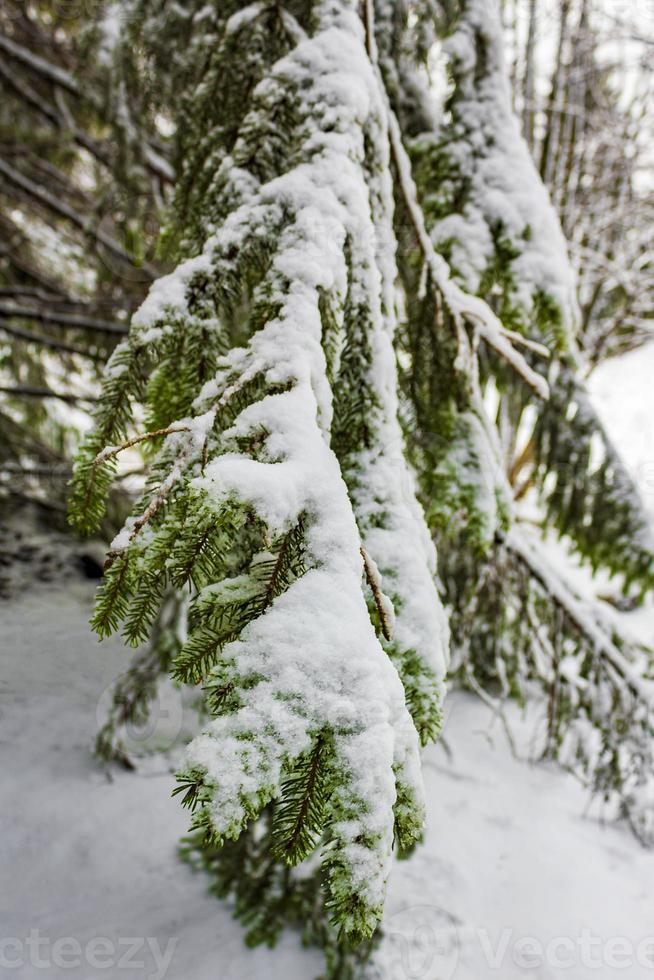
point(583, 83)
point(86, 174)
point(84, 182)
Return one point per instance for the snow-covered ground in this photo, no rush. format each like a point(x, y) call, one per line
point(517, 877)
point(510, 865)
point(623, 394)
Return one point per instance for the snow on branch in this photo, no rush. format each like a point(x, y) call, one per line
point(462, 305)
point(600, 697)
point(580, 614)
point(296, 666)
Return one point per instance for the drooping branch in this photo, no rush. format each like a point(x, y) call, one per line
point(42, 341)
point(36, 192)
point(574, 610)
point(463, 306)
point(32, 391)
point(72, 320)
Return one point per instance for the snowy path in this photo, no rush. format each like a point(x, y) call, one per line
point(508, 853)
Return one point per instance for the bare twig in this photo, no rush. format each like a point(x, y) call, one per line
point(111, 451)
point(373, 580)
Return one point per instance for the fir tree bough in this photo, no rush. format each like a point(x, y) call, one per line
point(367, 348)
point(294, 473)
point(481, 446)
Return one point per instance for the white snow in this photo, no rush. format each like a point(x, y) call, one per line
point(463, 305)
point(623, 395)
point(490, 152)
point(509, 852)
point(315, 655)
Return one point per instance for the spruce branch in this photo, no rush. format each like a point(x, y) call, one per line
point(296, 316)
point(300, 816)
point(461, 304)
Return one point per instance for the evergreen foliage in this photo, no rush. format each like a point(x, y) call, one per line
point(133, 694)
point(83, 179)
point(368, 346)
point(480, 447)
point(278, 534)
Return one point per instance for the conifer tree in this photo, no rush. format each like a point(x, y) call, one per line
point(281, 492)
point(516, 623)
point(367, 347)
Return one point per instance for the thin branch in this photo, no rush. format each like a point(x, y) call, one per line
point(496, 707)
point(9, 251)
point(31, 391)
point(54, 204)
point(574, 610)
point(111, 452)
point(58, 76)
point(17, 435)
point(153, 507)
point(531, 345)
point(53, 115)
point(64, 80)
point(28, 94)
point(32, 292)
point(43, 341)
point(74, 320)
point(62, 472)
point(373, 580)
